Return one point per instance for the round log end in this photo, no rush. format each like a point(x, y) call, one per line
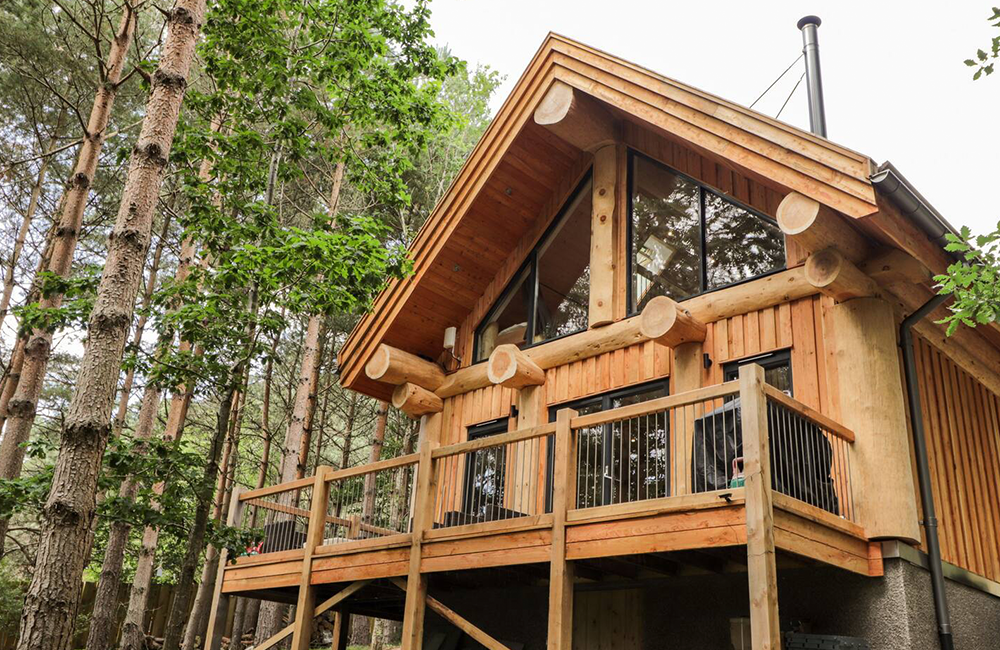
point(378, 364)
point(401, 394)
point(502, 364)
point(658, 317)
point(555, 105)
point(823, 268)
point(796, 213)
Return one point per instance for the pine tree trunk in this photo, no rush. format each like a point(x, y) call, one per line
point(140, 326)
point(305, 395)
point(29, 216)
point(378, 439)
point(24, 401)
point(12, 373)
point(132, 634)
point(50, 606)
point(104, 620)
point(198, 623)
point(196, 538)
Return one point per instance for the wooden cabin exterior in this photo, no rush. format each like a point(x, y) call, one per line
point(675, 411)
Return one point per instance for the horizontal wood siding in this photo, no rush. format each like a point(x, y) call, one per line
point(962, 426)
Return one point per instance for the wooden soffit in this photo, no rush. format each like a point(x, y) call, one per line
point(516, 166)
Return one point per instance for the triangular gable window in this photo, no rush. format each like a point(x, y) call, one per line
point(550, 294)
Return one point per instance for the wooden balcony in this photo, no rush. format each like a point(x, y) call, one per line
point(643, 481)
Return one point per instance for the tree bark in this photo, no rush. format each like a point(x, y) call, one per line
point(196, 539)
point(378, 439)
point(29, 215)
point(305, 395)
point(51, 601)
point(198, 621)
point(104, 620)
point(24, 401)
point(140, 326)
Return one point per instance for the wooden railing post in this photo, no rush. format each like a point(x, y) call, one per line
point(761, 570)
point(306, 604)
point(560, 636)
point(423, 518)
point(220, 602)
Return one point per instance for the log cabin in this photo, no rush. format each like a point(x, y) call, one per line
point(695, 397)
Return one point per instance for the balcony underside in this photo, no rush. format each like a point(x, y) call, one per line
point(702, 522)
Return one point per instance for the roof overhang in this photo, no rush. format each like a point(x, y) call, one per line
point(452, 264)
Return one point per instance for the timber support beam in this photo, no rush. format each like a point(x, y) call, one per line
point(394, 366)
point(575, 117)
point(669, 324)
point(510, 367)
point(837, 277)
point(452, 617)
point(816, 227)
point(416, 401)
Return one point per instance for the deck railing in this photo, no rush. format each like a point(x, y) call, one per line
point(492, 479)
point(674, 446)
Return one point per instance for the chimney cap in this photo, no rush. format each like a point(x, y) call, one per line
point(809, 20)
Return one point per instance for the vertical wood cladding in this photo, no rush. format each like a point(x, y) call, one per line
point(962, 426)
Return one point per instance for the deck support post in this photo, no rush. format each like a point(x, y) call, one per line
point(762, 573)
point(306, 605)
point(218, 614)
point(685, 375)
point(561, 572)
point(341, 630)
point(423, 515)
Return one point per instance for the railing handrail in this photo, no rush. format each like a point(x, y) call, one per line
point(389, 463)
point(655, 405)
point(809, 413)
point(277, 489)
point(498, 440)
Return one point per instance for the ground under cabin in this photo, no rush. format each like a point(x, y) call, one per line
point(675, 412)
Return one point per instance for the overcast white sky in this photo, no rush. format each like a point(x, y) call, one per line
point(895, 85)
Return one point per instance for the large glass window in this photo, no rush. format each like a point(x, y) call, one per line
point(621, 461)
point(550, 295)
point(686, 239)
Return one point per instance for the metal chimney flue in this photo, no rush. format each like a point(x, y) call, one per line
point(814, 80)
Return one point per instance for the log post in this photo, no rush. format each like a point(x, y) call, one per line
point(423, 518)
point(416, 401)
point(575, 117)
point(220, 602)
point(510, 367)
point(761, 569)
point(838, 278)
point(341, 630)
point(670, 324)
point(561, 572)
point(602, 237)
point(816, 227)
point(394, 366)
point(306, 604)
point(686, 374)
point(872, 404)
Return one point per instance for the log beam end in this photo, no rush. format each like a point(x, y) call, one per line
point(416, 401)
point(508, 366)
point(669, 324)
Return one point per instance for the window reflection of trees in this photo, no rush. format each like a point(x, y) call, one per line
point(739, 244)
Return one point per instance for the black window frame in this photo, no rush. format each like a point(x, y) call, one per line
point(767, 360)
point(530, 263)
point(703, 188)
point(605, 400)
point(475, 432)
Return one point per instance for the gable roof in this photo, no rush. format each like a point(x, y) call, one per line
point(513, 170)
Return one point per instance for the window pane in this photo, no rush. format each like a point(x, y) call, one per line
point(666, 234)
point(509, 320)
point(739, 244)
point(564, 272)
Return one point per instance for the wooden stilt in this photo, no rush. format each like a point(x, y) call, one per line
point(341, 630)
point(561, 572)
point(413, 613)
point(220, 602)
point(302, 626)
point(761, 569)
point(333, 601)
